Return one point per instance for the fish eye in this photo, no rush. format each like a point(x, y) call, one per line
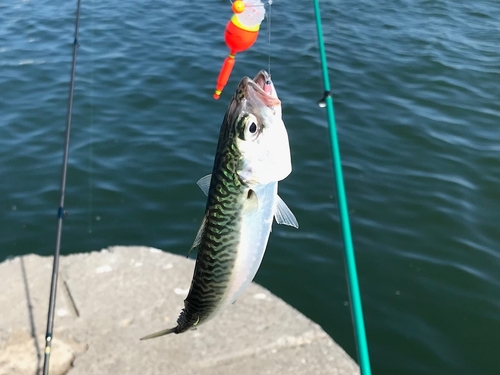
point(251, 128)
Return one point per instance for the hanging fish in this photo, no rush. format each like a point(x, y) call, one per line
point(252, 155)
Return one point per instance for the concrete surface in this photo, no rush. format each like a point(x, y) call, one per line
point(107, 300)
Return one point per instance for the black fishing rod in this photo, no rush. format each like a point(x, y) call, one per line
point(61, 212)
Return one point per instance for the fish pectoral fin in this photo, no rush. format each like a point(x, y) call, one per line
point(204, 183)
point(158, 334)
point(251, 204)
point(199, 235)
point(283, 214)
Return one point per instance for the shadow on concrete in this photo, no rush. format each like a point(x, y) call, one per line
point(31, 317)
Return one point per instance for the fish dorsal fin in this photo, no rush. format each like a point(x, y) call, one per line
point(283, 214)
point(204, 183)
point(199, 235)
point(251, 204)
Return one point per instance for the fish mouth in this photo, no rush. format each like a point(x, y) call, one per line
point(260, 89)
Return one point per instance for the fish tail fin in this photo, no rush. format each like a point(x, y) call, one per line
point(158, 334)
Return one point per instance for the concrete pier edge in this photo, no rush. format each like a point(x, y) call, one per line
point(108, 299)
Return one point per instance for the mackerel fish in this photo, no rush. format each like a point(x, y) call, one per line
point(252, 155)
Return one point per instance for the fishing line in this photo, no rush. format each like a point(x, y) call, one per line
point(91, 129)
point(352, 277)
point(270, 3)
point(91, 158)
point(61, 212)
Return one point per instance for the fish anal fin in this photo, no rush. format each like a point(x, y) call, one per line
point(284, 215)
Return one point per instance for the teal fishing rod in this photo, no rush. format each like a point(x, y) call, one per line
point(352, 277)
point(61, 212)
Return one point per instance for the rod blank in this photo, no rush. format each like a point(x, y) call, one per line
point(61, 213)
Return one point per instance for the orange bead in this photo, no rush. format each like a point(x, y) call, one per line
point(238, 6)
